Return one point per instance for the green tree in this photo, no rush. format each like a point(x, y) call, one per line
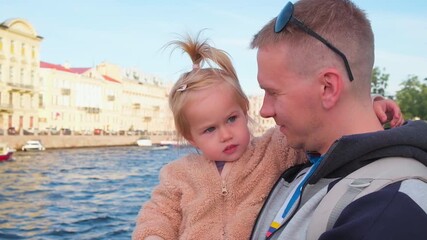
point(412, 98)
point(379, 81)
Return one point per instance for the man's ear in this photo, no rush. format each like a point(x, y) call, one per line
point(331, 87)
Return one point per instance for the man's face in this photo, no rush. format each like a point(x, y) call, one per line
point(290, 97)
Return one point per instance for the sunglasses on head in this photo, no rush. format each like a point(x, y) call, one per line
point(285, 17)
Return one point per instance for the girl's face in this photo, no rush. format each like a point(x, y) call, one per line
point(218, 125)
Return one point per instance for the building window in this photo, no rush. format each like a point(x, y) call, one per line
point(22, 75)
point(12, 47)
point(10, 98)
point(11, 74)
point(33, 52)
point(32, 77)
point(21, 100)
point(23, 50)
point(41, 101)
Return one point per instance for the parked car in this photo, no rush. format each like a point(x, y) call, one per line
point(11, 131)
point(33, 145)
point(97, 131)
point(66, 131)
point(43, 132)
point(53, 131)
point(28, 131)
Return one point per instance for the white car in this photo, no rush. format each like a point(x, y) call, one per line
point(33, 145)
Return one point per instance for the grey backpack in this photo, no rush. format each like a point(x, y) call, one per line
point(365, 180)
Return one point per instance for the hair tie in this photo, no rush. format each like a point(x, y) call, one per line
point(196, 66)
point(182, 88)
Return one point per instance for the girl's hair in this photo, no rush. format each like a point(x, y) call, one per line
point(199, 78)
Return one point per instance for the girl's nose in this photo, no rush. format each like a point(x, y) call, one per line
point(225, 134)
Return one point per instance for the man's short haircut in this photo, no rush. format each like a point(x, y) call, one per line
point(341, 23)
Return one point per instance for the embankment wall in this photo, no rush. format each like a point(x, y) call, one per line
point(71, 141)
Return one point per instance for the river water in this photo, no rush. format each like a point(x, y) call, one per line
point(87, 193)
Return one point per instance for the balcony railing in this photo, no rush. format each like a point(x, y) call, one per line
point(93, 110)
point(65, 91)
point(8, 108)
point(21, 87)
point(111, 98)
point(136, 106)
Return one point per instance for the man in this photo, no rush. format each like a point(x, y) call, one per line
point(315, 63)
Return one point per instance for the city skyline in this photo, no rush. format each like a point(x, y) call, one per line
point(132, 33)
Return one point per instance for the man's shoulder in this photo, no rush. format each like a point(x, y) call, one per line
point(376, 176)
point(396, 211)
point(388, 182)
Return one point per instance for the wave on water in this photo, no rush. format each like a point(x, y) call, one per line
point(93, 193)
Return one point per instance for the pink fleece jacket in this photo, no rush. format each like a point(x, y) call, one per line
point(192, 200)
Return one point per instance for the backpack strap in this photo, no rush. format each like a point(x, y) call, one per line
point(361, 182)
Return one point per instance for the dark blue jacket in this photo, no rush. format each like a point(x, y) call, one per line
point(398, 211)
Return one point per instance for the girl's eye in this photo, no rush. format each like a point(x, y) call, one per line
point(209, 130)
point(232, 119)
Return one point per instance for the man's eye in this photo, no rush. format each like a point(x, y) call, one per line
point(270, 93)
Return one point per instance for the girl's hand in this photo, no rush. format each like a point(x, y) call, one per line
point(388, 111)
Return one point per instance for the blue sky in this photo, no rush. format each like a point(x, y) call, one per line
point(131, 33)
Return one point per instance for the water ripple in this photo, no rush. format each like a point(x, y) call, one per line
point(91, 193)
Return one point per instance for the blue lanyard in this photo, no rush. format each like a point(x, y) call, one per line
point(297, 192)
point(295, 196)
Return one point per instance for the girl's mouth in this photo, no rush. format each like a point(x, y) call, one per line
point(230, 149)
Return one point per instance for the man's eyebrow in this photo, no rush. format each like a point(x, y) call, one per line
point(268, 89)
point(263, 87)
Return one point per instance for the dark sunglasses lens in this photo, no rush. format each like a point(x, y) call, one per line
point(284, 17)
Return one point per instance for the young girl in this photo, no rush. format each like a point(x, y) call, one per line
point(218, 193)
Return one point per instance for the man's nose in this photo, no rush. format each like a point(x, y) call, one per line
point(266, 111)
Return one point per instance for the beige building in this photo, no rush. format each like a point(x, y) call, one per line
point(260, 124)
point(37, 96)
point(105, 97)
point(19, 74)
point(41, 96)
point(146, 102)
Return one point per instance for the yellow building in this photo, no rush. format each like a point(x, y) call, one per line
point(19, 74)
point(37, 96)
